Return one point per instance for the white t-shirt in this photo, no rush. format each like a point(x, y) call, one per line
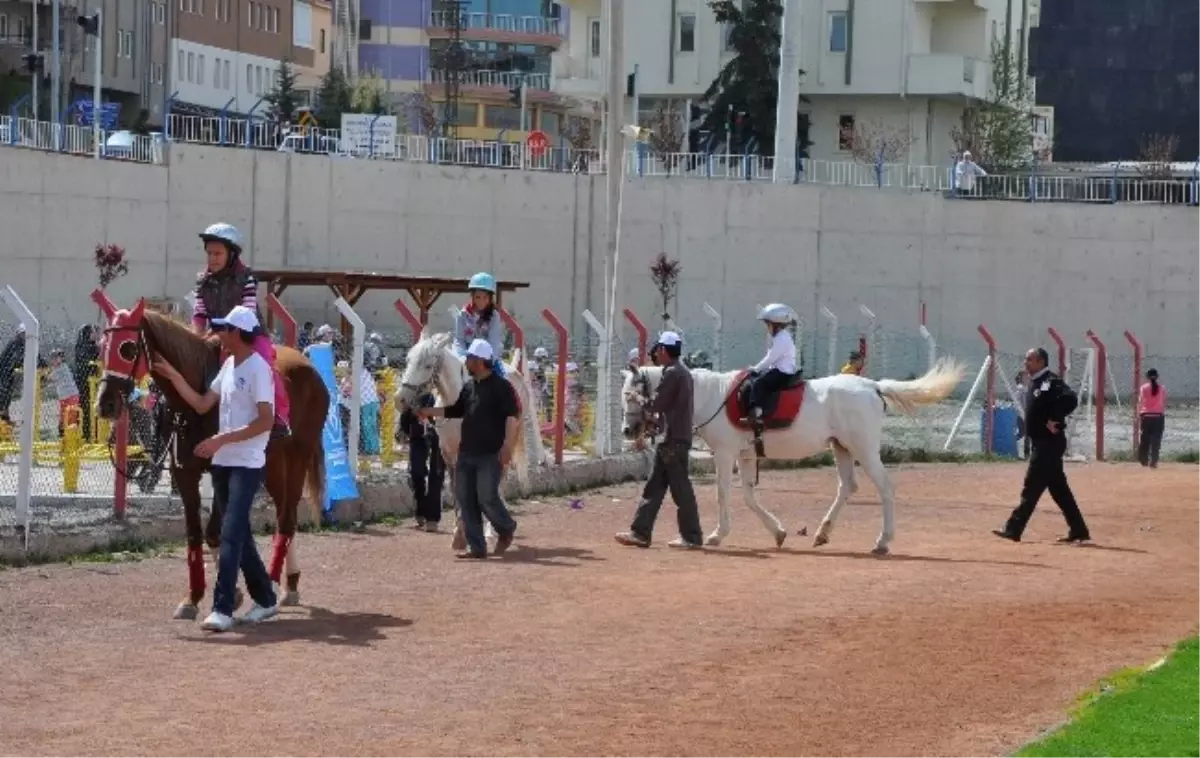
point(781, 354)
point(240, 389)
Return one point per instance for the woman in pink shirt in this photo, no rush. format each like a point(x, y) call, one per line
point(1152, 404)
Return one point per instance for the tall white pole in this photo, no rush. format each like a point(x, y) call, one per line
point(786, 118)
point(96, 97)
point(35, 74)
point(56, 71)
point(615, 177)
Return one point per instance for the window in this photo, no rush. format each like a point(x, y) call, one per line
point(845, 132)
point(160, 13)
point(200, 70)
point(225, 72)
point(182, 6)
point(156, 73)
point(124, 43)
point(687, 33)
point(273, 27)
point(468, 114)
point(302, 24)
point(594, 37)
point(837, 32)
point(3, 26)
point(727, 32)
point(191, 67)
point(322, 49)
point(217, 73)
point(249, 78)
point(255, 19)
point(179, 64)
point(20, 24)
point(222, 10)
point(199, 7)
point(500, 117)
point(549, 123)
point(258, 80)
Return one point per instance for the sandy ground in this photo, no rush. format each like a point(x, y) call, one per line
point(957, 644)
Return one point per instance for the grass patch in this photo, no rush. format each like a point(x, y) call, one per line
point(1129, 456)
point(1135, 713)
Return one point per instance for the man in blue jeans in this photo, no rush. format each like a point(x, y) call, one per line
point(245, 391)
point(488, 408)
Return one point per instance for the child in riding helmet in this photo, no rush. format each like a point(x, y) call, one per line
point(779, 364)
point(480, 320)
point(225, 283)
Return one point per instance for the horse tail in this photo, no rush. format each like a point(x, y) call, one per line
point(528, 413)
point(314, 481)
point(934, 386)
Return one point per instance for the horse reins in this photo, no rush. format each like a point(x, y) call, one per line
point(143, 350)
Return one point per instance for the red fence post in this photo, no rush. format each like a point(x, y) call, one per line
point(120, 429)
point(409, 317)
point(560, 385)
point(642, 333)
point(1098, 390)
point(1137, 383)
point(100, 298)
point(511, 324)
point(283, 314)
point(990, 408)
point(1062, 352)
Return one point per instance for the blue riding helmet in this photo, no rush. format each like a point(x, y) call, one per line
point(483, 281)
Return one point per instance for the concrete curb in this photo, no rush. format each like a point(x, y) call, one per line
point(382, 494)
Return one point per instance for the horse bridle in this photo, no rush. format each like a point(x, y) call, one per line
point(141, 351)
point(424, 388)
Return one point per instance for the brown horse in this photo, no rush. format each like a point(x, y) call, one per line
point(132, 340)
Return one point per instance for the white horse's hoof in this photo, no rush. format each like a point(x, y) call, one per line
point(713, 541)
point(820, 539)
point(780, 536)
point(290, 598)
point(880, 550)
point(186, 612)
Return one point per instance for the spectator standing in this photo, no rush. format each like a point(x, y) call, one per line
point(65, 388)
point(965, 172)
point(488, 408)
point(426, 469)
point(87, 356)
point(1152, 409)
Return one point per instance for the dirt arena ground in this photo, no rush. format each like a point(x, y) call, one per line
point(957, 644)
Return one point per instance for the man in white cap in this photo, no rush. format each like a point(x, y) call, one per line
point(488, 408)
point(245, 389)
point(674, 402)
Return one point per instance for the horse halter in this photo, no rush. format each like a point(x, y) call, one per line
point(130, 351)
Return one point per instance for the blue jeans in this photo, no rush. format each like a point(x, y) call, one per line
point(477, 490)
point(236, 488)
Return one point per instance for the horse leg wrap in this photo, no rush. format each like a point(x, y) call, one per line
point(278, 555)
point(195, 561)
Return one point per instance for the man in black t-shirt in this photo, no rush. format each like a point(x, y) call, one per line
point(489, 413)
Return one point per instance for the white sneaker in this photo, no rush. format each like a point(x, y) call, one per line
point(217, 622)
point(258, 613)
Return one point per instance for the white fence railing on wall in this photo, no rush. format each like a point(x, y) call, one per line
point(1040, 184)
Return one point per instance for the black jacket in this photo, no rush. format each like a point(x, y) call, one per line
point(1048, 399)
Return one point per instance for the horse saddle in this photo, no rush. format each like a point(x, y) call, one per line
point(779, 411)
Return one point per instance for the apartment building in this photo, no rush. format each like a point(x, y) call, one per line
point(225, 54)
point(507, 42)
point(905, 65)
point(312, 26)
point(133, 54)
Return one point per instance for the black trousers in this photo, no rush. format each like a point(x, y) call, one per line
point(1151, 438)
point(1045, 472)
point(670, 472)
point(427, 475)
point(765, 386)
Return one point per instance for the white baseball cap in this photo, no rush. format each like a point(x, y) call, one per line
point(481, 349)
point(669, 339)
point(240, 318)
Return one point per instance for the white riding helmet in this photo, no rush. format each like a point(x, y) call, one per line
point(541, 352)
point(777, 313)
point(223, 232)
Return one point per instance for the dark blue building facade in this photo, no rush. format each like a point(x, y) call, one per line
point(1116, 71)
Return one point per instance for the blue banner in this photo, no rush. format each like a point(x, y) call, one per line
point(339, 479)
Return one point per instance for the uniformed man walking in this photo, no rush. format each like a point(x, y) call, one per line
point(1048, 403)
point(674, 403)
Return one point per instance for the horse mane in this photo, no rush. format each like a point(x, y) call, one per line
point(193, 356)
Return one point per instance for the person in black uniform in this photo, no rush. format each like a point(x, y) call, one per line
point(1048, 403)
point(426, 469)
point(674, 401)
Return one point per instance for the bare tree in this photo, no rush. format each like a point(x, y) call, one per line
point(1156, 152)
point(665, 275)
point(998, 131)
point(666, 131)
point(418, 112)
point(874, 142)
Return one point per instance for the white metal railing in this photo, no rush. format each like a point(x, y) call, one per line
point(1046, 184)
point(500, 22)
point(490, 78)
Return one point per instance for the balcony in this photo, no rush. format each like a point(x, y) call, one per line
point(948, 75)
point(489, 83)
point(572, 78)
point(499, 27)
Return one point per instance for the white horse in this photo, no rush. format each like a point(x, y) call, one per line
point(433, 367)
point(845, 411)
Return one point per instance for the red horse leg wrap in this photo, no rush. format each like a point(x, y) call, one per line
point(195, 561)
point(278, 555)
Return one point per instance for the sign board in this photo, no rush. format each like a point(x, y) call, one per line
point(368, 134)
point(109, 113)
point(537, 142)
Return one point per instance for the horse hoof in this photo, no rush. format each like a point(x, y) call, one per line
point(713, 541)
point(290, 598)
point(879, 550)
point(186, 612)
point(780, 536)
point(819, 540)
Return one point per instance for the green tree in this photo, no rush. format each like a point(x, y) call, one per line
point(744, 95)
point(998, 130)
point(369, 95)
point(333, 99)
point(282, 99)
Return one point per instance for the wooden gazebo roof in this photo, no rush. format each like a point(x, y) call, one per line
point(352, 285)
